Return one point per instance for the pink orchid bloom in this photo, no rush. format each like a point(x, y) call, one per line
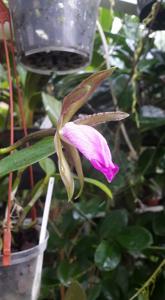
point(92, 145)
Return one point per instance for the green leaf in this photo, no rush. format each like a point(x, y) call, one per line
point(80, 95)
point(151, 123)
point(100, 118)
point(32, 84)
point(159, 224)
point(94, 292)
point(75, 292)
point(53, 107)
point(66, 272)
point(28, 156)
point(106, 18)
point(48, 166)
point(100, 185)
point(135, 238)
point(48, 276)
point(95, 206)
point(107, 256)
point(114, 223)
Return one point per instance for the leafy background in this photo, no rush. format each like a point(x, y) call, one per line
point(103, 247)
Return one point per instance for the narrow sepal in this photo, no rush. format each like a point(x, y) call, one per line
point(64, 168)
point(96, 119)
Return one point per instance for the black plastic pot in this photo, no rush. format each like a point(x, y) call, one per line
point(145, 7)
point(54, 35)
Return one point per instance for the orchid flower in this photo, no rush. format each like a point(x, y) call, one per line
point(92, 145)
point(80, 135)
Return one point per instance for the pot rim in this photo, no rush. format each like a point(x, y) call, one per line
point(55, 48)
point(26, 255)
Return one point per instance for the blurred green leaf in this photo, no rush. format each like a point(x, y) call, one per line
point(135, 238)
point(151, 123)
point(94, 292)
point(48, 276)
point(67, 271)
point(53, 107)
point(91, 208)
point(106, 18)
point(48, 166)
point(114, 223)
point(75, 292)
point(28, 156)
point(159, 224)
point(107, 256)
point(32, 84)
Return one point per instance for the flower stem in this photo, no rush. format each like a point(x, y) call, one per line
point(28, 138)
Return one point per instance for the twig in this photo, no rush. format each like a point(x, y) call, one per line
point(150, 281)
point(114, 98)
point(148, 21)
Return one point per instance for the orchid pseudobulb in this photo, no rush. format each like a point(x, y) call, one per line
point(92, 145)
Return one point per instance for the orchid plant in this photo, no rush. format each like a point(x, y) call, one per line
point(80, 135)
point(72, 135)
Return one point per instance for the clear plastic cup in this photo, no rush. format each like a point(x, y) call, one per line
point(22, 279)
point(54, 35)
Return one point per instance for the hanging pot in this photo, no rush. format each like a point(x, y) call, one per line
point(145, 7)
point(54, 35)
point(21, 281)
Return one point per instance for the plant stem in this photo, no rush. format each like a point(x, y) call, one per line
point(150, 280)
point(115, 102)
point(138, 53)
point(156, 248)
point(33, 136)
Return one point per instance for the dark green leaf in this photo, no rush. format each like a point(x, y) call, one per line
point(107, 256)
point(114, 223)
point(135, 238)
point(159, 224)
point(151, 123)
point(94, 292)
point(67, 271)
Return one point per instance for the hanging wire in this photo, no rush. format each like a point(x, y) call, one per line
point(9, 49)
point(22, 114)
point(5, 18)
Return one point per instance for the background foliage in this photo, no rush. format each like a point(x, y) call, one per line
point(109, 246)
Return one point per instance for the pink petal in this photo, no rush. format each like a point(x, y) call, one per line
point(92, 145)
